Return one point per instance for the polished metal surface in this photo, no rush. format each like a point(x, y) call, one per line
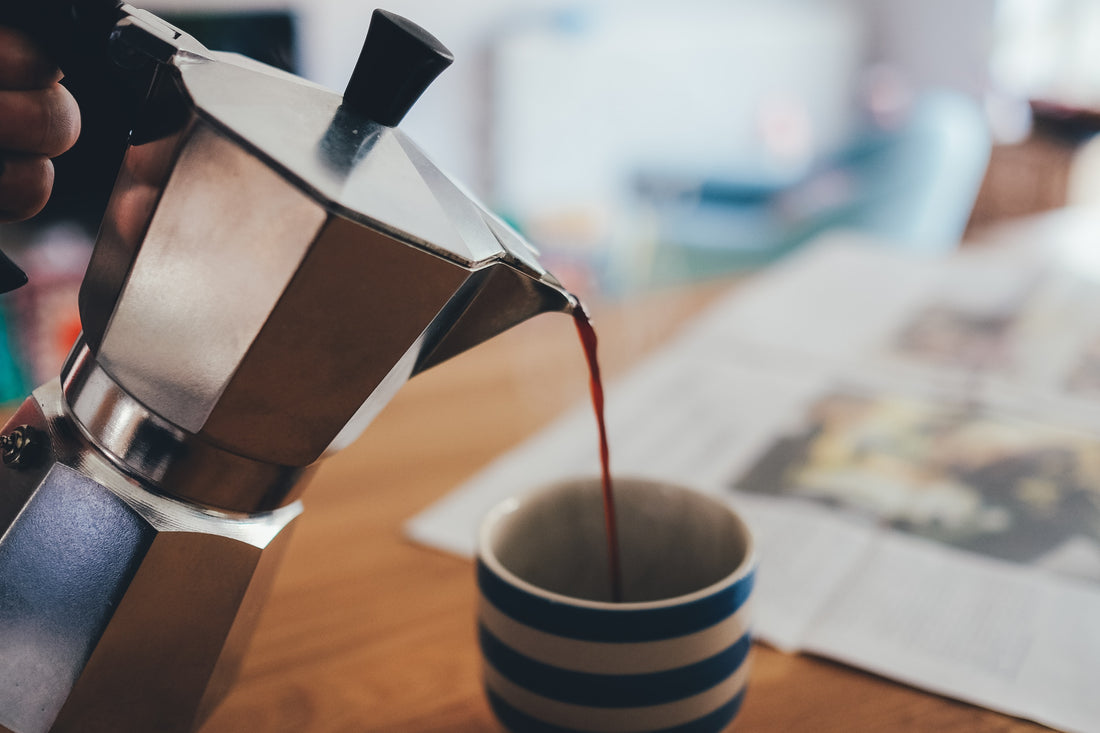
point(103, 581)
point(217, 255)
point(271, 268)
point(362, 170)
point(83, 540)
point(172, 461)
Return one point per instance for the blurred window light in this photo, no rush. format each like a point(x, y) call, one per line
point(1047, 50)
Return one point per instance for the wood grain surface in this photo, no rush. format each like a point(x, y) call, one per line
point(366, 631)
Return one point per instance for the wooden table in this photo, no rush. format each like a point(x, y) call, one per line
point(366, 631)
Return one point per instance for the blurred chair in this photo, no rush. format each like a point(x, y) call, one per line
point(916, 186)
point(912, 186)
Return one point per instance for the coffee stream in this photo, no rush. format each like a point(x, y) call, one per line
point(588, 340)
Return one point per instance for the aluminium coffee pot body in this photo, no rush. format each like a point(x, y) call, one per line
point(276, 260)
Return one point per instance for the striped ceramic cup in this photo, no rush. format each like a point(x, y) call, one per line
point(560, 656)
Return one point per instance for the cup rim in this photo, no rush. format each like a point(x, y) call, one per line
point(513, 503)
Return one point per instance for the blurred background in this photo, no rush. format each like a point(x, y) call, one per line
point(640, 144)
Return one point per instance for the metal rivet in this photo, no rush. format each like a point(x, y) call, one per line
point(21, 447)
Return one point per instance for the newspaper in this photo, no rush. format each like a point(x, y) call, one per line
point(916, 444)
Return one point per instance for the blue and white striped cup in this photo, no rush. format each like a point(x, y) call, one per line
point(559, 656)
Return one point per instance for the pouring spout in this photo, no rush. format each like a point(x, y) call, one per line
point(492, 301)
point(569, 302)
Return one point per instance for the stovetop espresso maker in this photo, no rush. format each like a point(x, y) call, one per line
point(274, 262)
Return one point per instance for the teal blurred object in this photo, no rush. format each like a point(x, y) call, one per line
point(916, 187)
point(912, 187)
point(13, 383)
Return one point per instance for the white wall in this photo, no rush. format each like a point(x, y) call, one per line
point(934, 42)
point(753, 94)
point(447, 120)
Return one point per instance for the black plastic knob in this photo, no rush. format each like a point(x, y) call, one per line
point(398, 62)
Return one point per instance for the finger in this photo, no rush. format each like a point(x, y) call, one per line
point(43, 122)
point(25, 183)
point(22, 65)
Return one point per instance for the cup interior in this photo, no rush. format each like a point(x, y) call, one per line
point(672, 541)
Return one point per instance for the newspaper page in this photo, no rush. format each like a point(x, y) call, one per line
point(916, 444)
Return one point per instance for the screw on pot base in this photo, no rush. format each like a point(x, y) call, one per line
point(21, 447)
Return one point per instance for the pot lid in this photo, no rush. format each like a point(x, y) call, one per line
point(346, 151)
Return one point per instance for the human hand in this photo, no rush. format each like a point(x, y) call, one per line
point(39, 120)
